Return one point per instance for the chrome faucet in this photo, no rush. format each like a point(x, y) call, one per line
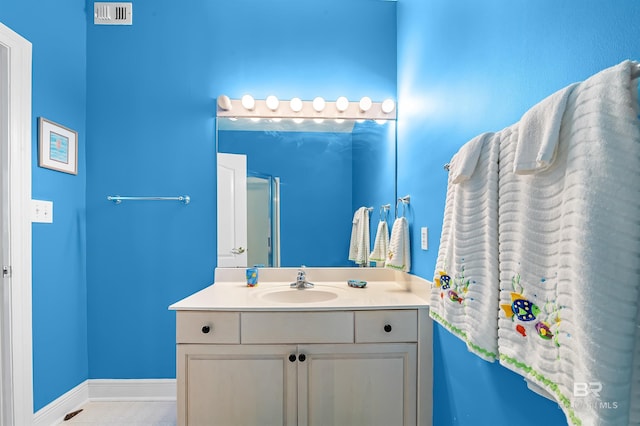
point(301, 281)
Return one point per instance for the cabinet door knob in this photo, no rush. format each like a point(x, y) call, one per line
point(387, 328)
point(292, 357)
point(302, 357)
point(206, 329)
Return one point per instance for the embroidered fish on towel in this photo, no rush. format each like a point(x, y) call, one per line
point(453, 296)
point(544, 330)
point(443, 280)
point(521, 308)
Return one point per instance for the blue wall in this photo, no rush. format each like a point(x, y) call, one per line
point(57, 31)
point(374, 170)
point(150, 119)
point(467, 67)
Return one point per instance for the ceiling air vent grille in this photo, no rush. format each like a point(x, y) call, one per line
point(112, 13)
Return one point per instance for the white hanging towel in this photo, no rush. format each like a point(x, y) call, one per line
point(569, 318)
point(465, 291)
point(381, 244)
point(359, 247)
point(464, 162)
point(539, 132)
point(398, 255)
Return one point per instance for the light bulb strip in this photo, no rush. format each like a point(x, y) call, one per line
point(330, 111)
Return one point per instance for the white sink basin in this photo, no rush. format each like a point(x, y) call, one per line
point(294, 295)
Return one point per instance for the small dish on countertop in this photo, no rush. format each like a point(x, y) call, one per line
point(356, 283)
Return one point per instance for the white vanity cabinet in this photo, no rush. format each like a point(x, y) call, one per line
point(338, 367)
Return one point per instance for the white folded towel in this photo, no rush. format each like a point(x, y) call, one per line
point(539, 131)
point(359, 247)
point(399, 256)
point(381, 244)
point(464, 162)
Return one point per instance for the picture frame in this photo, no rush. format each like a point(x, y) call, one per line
point(57, 147)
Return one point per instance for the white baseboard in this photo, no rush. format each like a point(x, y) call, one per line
point(54, 412)
point(105, 390)
point(132, 390)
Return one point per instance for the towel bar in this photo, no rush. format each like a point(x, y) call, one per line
point(117, 199)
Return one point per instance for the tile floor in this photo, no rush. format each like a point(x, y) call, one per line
point(128, 413)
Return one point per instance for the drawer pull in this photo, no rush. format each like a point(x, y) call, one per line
point(206, 329)
point(292, 357)
point(387, 328)
point(302, 357)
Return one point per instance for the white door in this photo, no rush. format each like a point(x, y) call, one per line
point(4, 137)
point(16, 393)
point(232, 210)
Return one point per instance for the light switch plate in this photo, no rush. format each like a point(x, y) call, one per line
point(424, 238)
point(41, 211)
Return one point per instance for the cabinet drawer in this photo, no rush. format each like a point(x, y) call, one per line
point(297, 327)
point(207, 327)
point(386, 326)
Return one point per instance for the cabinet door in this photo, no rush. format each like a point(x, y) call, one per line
point(236, 385)
point(364, 384)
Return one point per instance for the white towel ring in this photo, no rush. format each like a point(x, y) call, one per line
point(384, 212)
point(404, 200)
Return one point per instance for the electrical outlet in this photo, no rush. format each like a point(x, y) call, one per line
point(41, 211)
point(424, 238)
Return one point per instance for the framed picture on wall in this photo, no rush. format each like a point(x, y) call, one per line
point(57, 147)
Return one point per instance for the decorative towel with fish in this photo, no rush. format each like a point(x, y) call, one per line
point(465, 296)
point(568, 251)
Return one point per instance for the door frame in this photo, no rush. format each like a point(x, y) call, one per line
point(16, 344)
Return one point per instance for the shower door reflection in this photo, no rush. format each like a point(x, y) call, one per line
point(263, 220)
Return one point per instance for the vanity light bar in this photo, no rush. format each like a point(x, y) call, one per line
point(318, 108)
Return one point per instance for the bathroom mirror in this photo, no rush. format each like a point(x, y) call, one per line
point(304, 181)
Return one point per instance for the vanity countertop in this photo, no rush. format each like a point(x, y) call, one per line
point(385, 289)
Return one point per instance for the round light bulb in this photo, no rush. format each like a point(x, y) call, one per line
point(388, 105)
point(365, 104)
point(342, 103)
point(272, 102)
point(295, 104)
point(318, 104)
point(224, 103)
point(318, 120)
point(248, 102)
point(298, 120)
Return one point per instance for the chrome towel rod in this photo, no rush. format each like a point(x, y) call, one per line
point(118, 199)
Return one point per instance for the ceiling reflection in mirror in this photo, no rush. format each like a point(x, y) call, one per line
point(305, 180)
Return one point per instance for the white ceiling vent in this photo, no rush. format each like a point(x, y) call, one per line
point(112, 13)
